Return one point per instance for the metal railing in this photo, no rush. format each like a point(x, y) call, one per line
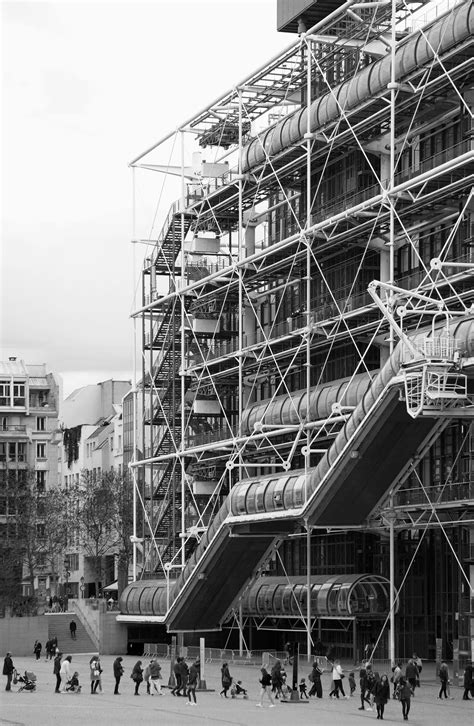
point(453, 492)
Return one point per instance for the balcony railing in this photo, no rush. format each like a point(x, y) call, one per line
point(15, 428)
point(448, 493)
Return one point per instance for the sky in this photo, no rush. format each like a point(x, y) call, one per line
point(85, 88)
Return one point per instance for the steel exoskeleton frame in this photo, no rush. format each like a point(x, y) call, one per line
point(269, 272)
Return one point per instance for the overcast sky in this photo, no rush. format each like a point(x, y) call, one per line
point(86, 87)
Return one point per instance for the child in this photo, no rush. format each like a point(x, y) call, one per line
point(237, 689)
point(352, 682)
point(73, 684)
point(302, 688)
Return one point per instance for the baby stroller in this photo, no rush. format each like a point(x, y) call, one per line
point(28, 681)
point(237, 689)
point(73, 684)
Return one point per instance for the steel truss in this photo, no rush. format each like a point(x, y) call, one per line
point(258, 285)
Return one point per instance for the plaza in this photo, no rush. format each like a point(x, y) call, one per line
point(45, 708)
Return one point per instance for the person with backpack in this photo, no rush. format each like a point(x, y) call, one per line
point(155, 676)
point(137, 676)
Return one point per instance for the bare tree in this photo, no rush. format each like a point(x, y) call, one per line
point(123, 525)
point(95, 517)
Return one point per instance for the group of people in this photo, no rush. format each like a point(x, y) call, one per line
point(374, 688)
point(51, 648)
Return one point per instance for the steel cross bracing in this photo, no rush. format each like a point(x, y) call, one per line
point(253, 352)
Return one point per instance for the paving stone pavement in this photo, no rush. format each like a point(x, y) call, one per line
point(45, 708)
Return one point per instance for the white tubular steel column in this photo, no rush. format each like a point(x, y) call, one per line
point(133, 472)
point(308, 340)
point(393, 98)
point(309, 640)
point(392, 582)
point(183, 363)
point(240, 272)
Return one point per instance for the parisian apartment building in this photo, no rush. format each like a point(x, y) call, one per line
point(91, 445)
point(30, 395)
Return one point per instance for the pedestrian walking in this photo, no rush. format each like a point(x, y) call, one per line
point(419, 666)
point(266, 682)
point(366, 682)
point(302, 689)
point(155, 676)
point(193, 677)
point(118, 673)
point(8, 669)
point(276, 675)
point(65, 671)
point(315, 678)
point(226, 680)
point(95, 671)
point(395, 678)
point(137, 676)
point(183, 671)
point(468, 682)
point(405, 694)
point(443, 678)
point(37, 649)
point(352, 683)
point(177, 678)
point(72, 629)
point(57, 672)
point(381, 695)
point(146, 678)
point(411, 675)
point(337, 676)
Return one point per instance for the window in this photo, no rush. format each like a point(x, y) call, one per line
point(3, 451)
point(120, 443)
point(40, 530)
point(71, 561)
point(40, 480)
point(5, 393)
point(18, 394)
point(4, 423)
point(41, 450)
point(41, 559)
point(41, 423)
